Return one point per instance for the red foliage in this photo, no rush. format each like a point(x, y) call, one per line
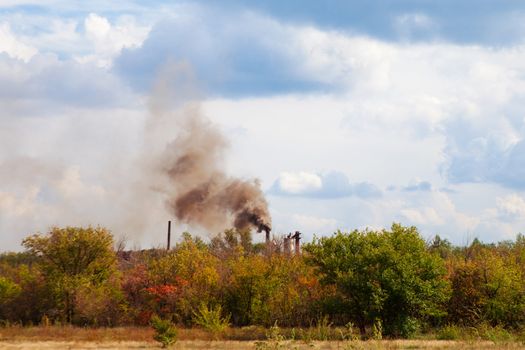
point(164, 297)
point(162, 292)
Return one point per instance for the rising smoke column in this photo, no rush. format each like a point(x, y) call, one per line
point(199, 191)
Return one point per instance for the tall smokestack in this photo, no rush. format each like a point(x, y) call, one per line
point(264, 227)
point(169, 235)
point(297, 237)
point(286, 244)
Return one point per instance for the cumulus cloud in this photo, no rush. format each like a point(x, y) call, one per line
point(232, 57)
point(511, 207)
point(330, 185)
point(46, 82)
point(462, 100)
point(88, 36)
point(12, 46)
point(435, 212)
point(486, 149)
point(422, 216)
point(109, 39)
point(313, 223)
point(381, 110)
point(299, 183)
point(64, 66)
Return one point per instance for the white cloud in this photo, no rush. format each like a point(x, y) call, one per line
point(11, 45)
point(438, 210)
point(471, 96)
point(422, 216)
point(299, 183)
point(93, 38)
point(109, 39)
point(47, 83)
point(511, 207)
point(97, 27)
point(330, 185)
point(313, 223)
point(389, 112)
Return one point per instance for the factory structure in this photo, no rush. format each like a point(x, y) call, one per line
point(289, 244)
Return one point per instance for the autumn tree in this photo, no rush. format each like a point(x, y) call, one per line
point(487, 284)
point(184, 278)
point(74, 261)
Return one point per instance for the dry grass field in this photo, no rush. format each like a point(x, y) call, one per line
point(251, 345)
point(141, 338)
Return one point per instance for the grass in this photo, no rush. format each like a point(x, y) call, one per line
point(250, 345)
point(67, 337)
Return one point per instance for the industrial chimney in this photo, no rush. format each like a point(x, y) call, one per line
point(287, 241)
point(169, 235)
point(297, 237)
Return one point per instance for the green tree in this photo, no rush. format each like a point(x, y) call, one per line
point(8, 291)
point(165, 331)
point(73, 258)
point(382, 275)
point(487, 284)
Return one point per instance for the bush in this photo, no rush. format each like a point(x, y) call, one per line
point(409, 327)
point(449, 332)
point(377, 330)
point(495, 334)
point(211, 319)
point(165, 332)
point(348, 332)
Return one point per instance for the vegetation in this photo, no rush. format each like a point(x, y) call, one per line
point(211, 319)
point(382, 278)
point(165, 332)
point(362, 284)
point(77, 265)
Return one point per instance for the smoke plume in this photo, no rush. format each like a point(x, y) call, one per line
point(198, 190)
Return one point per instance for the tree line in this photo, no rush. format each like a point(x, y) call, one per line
point(391, 281)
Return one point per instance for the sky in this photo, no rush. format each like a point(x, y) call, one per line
point(352, 114)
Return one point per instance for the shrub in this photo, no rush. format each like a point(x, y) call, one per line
point(409, 327)
point(348, 332)
point(211, 319)
point(377, 330)
point(165, 332)
point(449, 332)
point(495, 334)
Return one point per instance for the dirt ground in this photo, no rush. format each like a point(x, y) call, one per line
point(241, 345)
